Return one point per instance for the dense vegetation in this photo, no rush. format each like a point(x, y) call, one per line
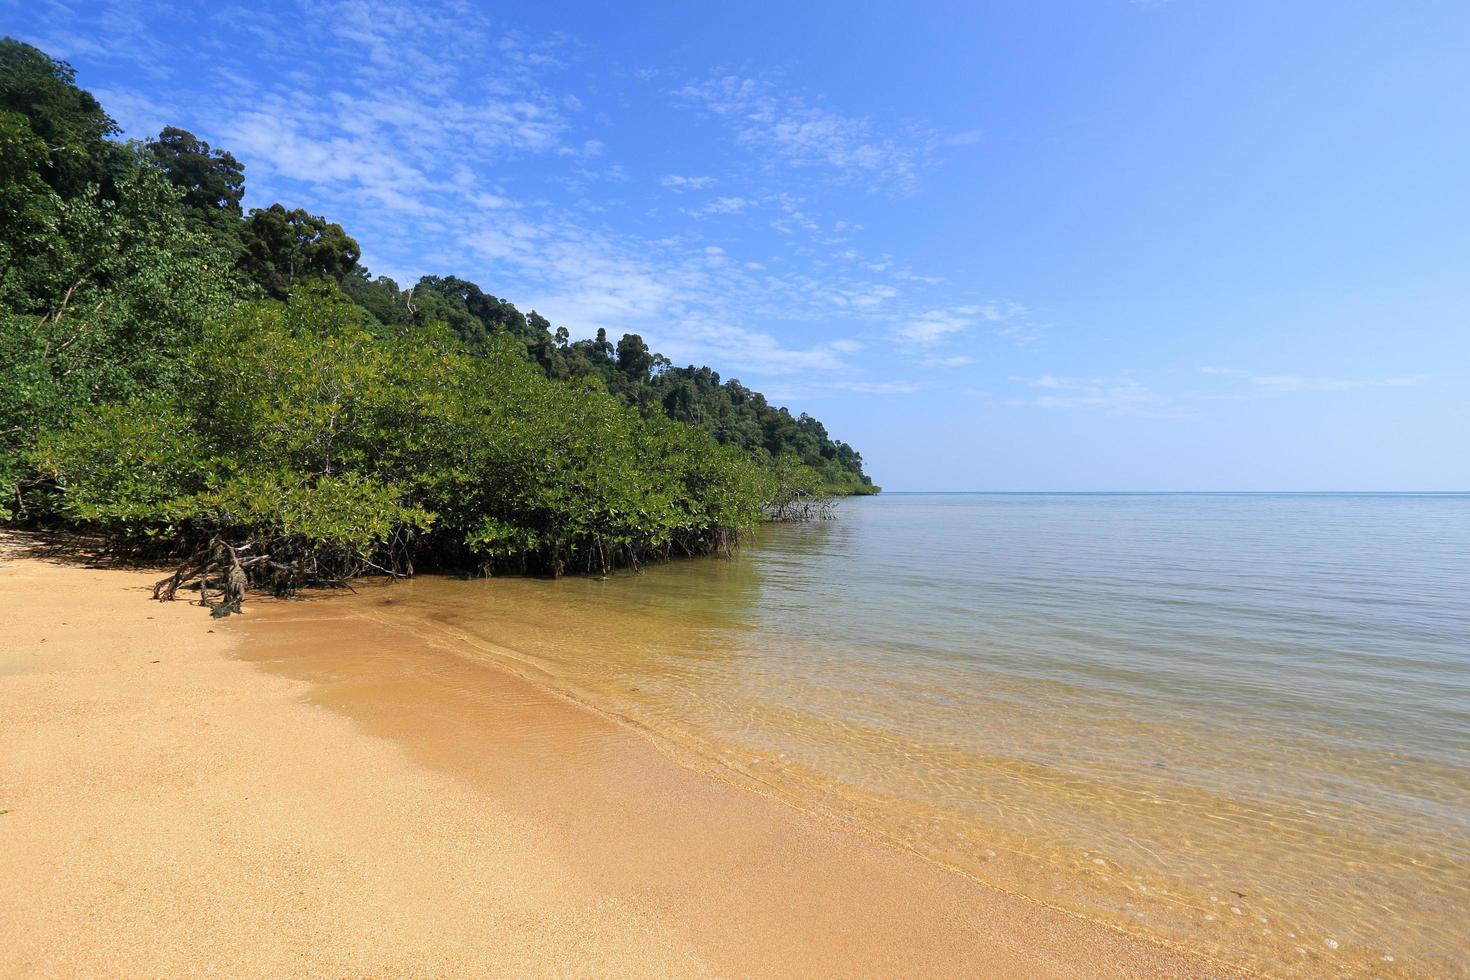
point(734, 414)
point(235, 388)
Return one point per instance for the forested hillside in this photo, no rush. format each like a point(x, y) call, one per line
point(648, 381)
point(191, 378)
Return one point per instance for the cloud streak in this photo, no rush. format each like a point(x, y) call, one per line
point(1291, 383)
point(805, 135)
point(935, 325)
point(720, 205)
point(1115, 395)
point(678, 183)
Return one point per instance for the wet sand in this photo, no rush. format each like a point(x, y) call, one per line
point(312, 789)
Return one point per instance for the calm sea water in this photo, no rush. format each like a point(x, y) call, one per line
point(1240, 722)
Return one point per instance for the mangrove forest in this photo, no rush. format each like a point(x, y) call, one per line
point(234, 391)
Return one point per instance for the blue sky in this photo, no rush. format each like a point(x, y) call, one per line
point(1012, 246)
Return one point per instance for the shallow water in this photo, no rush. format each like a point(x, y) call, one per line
point(1238, 722)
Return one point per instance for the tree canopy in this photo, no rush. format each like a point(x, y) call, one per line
point(72, 129)
point(734, 414)
point(196, 380)
point(283, 247)
point(210, 179)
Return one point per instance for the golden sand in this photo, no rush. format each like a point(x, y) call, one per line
point(372, 805)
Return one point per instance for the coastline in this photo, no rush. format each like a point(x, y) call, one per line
point(308, 790)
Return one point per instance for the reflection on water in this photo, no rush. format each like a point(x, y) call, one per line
point(1237, 721)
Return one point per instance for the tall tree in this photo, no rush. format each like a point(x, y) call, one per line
point(210, 179)
point(212, 182)
point(29, 213)
point(281, 247)
point(71, 124)
point(634, 359)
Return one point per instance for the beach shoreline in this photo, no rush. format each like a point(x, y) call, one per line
point(304, 790)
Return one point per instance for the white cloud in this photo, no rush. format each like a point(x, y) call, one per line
point(872, 297)
point(741, 349)
point(139, 116)
point(720, 205)
point(813, 390)
point(803, 134)
point(876, 387)
point(1117, 395)
point(588, 149)
point(1022, 331)
point(679, 183)
point(1296, 382)
point(934, 325)
point(116, 30)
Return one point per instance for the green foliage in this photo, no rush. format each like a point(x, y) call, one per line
point(349, 515)
point(297, 422)
point(127, 464)
point(742, 417)
point(212, 182)
point(29, 208)
point(801, 492)
point(210, 179)
point(281, 247)
point(733, 414)
point(340, 424)
point(73, 129)
point(103, 316)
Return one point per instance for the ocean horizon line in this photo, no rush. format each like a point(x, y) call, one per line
point(1176, 493)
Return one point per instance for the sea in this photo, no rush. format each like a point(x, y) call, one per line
point(1234, 722)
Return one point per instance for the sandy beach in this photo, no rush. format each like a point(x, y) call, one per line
point(307, 789)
